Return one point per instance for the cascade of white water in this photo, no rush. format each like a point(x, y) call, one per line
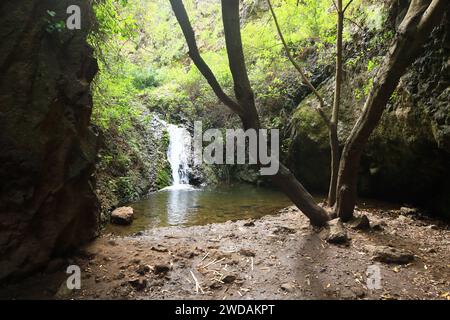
point(178, 154)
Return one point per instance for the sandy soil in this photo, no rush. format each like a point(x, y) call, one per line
point(276, 257)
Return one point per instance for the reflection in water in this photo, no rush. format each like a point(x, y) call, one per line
point(179, 201)
point(187, 206)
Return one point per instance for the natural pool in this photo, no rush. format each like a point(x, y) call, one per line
point(187, 206)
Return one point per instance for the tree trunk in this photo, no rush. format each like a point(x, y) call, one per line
point(334, 141)
point(414, 31)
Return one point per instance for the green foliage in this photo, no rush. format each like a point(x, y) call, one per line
point(53, 25)
point(146, 78)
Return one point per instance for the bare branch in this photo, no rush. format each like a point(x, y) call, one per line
point(300, 69)
point(346, 7)
point(183, 19)
point(335, 5)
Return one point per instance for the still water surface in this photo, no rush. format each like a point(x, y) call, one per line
point(187, 206)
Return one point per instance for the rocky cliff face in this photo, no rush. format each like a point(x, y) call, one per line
point(47, 202)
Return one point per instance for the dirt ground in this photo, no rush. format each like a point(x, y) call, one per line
point(276, 257)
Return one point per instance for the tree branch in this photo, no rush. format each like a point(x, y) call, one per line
point(346, 7)
point(183, 20)
point(320, 108)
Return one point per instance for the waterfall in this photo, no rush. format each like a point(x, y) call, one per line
point(178, 154)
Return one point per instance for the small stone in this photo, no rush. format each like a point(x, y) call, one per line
point(360, 223)
point(120, 276)
point(159, 248)
point(408, 211)
point(389, 254)
point(112, 242)
point(138, 284)
point(404, 219)
point(247, 253)
point(161, 268)
point(143, 269)
point(287, 287)
point(249, 224)
point(284, 230)
point(122, 216)
point(187, 254)
point(229, 278)
point(215, 285)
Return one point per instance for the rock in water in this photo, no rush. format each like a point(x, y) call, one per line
point(122, 216)
point(337, 233)
point(389, 254)
point(360, 223)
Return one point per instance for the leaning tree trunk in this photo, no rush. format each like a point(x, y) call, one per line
point(414, 31)
point(245, 106)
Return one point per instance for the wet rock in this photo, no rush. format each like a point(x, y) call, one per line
point(337, 233)
point(247, 252)
point(360, 223)
point(138, 284)
point(161, 269)
point(389, 254)
point(122, 216)
point(229, 278)
point(287, 287)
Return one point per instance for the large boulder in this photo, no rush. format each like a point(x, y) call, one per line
point(47, 149)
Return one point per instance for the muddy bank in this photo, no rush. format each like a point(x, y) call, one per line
point(276, 257)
